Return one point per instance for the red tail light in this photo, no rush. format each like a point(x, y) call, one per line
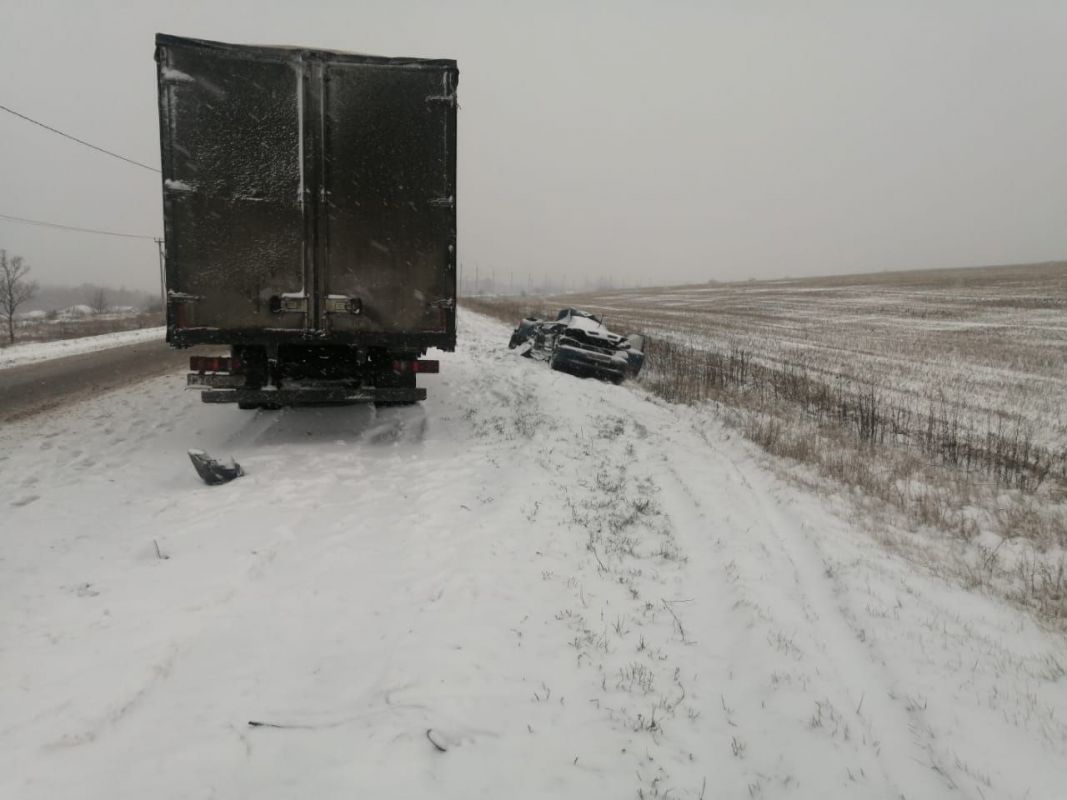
point(422, 365)
point(214, 364)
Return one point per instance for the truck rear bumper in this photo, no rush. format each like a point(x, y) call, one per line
point(292, 397)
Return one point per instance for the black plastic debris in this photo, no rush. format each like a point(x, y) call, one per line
point(211, 471)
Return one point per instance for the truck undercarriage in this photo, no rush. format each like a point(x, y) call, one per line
point(271, 377)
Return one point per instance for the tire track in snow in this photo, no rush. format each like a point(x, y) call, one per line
point(898, 736)
point(157, 674)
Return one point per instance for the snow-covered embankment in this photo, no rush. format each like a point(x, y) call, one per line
point(529, 586)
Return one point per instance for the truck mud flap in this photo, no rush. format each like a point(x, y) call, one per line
point(292, 397)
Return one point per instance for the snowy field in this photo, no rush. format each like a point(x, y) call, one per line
point(991, 342)
point(529, 586)
point(30, 352)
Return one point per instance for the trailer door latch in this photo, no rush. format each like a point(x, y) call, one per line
point(340, 304)
point(289, 303)
point(448, 99)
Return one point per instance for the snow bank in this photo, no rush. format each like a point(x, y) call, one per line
point(31, 352)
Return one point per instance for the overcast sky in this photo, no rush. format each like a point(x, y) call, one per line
point(659, 141)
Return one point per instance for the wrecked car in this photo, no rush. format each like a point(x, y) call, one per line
point(579, 343)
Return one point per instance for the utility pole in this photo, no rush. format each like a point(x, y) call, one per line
point(162, 276)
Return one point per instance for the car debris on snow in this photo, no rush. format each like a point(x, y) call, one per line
point(437, 745)
point(212, 471)
point(580, 344)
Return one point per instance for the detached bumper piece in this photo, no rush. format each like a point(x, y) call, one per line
point(213, 472)
point(289, 397)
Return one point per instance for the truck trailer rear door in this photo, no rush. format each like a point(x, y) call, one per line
point(389, 133)
point(232, 184)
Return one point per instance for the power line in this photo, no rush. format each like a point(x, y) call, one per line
point(76, 139)
point(45, 224)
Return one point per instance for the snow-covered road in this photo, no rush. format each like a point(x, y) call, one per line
point(530, 586)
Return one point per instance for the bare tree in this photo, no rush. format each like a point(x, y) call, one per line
point(14, 289)
point(98, 301)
